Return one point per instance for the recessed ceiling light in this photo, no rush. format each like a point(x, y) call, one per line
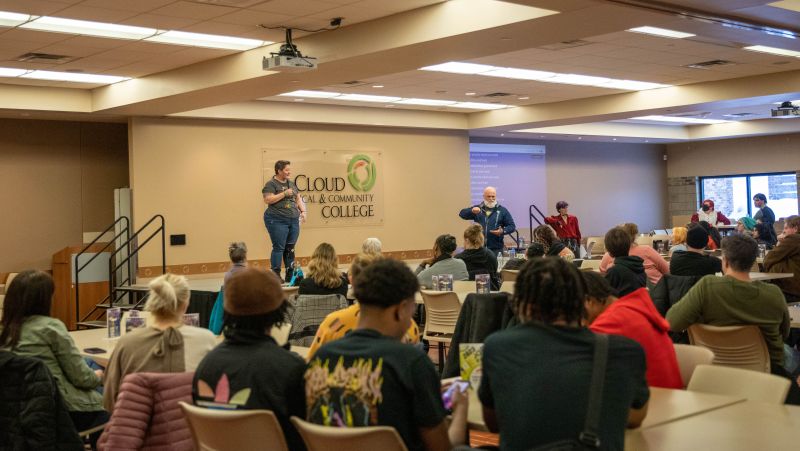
point(773, 50)
point(663, 32)
point(394, 100)
point(377, 86)
point(455, 67)
point(8, 19)
point(88, 28)
point(11, 72)
point(478, 105)
point(523, 98)
point(679, 120)
point(428, 102)
point(207, 40)
point(73, 77)
point(314, 94)
point(367, 98)
point(519, 74)
point(615, 139)
point(469, 93)
point(299, 100)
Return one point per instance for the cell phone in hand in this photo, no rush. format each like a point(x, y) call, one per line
point(94, 351)
point(447, 396)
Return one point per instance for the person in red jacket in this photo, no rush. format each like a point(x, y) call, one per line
point(709, 215)
point(566, 227)
point(633, 316)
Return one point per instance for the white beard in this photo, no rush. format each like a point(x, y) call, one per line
point(490, 204)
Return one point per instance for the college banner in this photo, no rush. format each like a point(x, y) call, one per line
point(339, 187)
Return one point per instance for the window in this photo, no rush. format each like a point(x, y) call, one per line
point(733, 195)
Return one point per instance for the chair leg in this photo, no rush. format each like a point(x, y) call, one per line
point(441, 358)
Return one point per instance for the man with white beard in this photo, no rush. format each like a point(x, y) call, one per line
point(493, 217)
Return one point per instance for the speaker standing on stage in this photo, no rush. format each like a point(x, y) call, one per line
point(566, 227)
point(285, 210)
point(493, 217)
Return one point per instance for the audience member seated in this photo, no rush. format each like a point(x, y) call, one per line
point(479, 259)
point(371, 246)
point(678, 240)
point(337, 324)
point(635, 317)
point(553, 247)
point(654, 264)
point(534, 250)
point(745, 225)
point(693, 261)
point(714, 238)
point(369, 378)
point(238, 254)
point(627, 273)
point(166, 345)
point(323, 275)
point(537, 376)
point(442, 262)
point(709, 215)
point(763, 235)
point(785, 258)
point(248, 370)
point(29, 331)
point(735, 300)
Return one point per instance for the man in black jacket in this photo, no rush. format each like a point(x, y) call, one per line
point(693, 262)
point(627, 275)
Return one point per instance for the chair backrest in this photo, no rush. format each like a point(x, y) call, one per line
point(752, 385)
point(308, 312)
point(590, 265)
point(290, 292)
point(370, 438)
point(595, 245)
point(736, 346)
point(464, 286)
point(509, 275)
point(441, 311)
point(689, 357)
point(223, 430)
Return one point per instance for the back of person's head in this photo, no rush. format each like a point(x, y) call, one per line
point(549, 289)
point(253, 300)
point(679, 235)
point(697, 237)
point(762, 230)
point(740, 252)
point(792, 221)
point(29, 294)
point(544, 234)
point(748, 222)
point(632, 229)
point(237, 251)
point(323, 267)
point(360, 262)
point(446, 244)
point(534, 250)
point(617, 242)
point(371, 246)
point(169, 293)
point(473, 235)
point(385, 283)
point(597, 286)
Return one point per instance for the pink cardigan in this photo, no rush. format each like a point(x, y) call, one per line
point(147, 415)
point(654, 264)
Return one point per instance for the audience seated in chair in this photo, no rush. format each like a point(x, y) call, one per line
point(553, 247)
point(523, 365)
point(442, 262)
point(785, 258)
point(166, 345)
point(477, 257)
point(323, 275)
point(534, 250)
point(369, 378)
point(654, 264)
point(627, 273)
point(249, 370)
point(633, 316)
point(693, 261)
point(372, 246)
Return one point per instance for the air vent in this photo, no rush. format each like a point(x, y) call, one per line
point(708, 64)
point(350, 84)
point(44, 58)
point(498, 94)
point(565, 44)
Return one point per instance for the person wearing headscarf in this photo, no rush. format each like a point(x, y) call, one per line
point(709, 215)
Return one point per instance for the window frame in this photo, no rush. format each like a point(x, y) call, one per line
point(747, 181)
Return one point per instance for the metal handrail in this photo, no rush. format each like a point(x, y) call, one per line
point(532, 217)
point(112, 271)
point(78, 269)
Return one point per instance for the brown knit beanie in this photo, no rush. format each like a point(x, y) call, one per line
point(251, 292)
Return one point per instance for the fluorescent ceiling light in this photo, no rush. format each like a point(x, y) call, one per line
point(74, 77)
point(663, 32)
point(426, 102)
point(542, 76)
point(312, 94)
point(679, 120)
point(206, 40)
point(8, 19)
point(11, 72)
point(478, 106)
point(454, 67)
point(88, 28)
point(773, 50)
point(368, 98)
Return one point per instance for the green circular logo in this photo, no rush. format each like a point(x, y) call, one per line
point(357, 168)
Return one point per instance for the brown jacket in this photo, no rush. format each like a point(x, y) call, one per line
point(147, 414)
point(785, 257)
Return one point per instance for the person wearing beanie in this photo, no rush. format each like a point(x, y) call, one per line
point(165, 345)
point(249, 370)
point(693, 261)
point(708, 214)
point(745, 225)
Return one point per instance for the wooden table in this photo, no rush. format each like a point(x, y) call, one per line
point(794, 313)
point(770, 275)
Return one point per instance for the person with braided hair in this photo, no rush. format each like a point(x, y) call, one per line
point(536, 377)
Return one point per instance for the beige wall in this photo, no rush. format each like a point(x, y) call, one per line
point(56, 182)
point(205, 178)
point(734, 156)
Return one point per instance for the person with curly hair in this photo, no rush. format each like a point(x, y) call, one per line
point(553, 247)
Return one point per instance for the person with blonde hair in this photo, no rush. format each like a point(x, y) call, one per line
point(323, 275)
point(678, 239)
point(166, 345)
point(371, 245)
point(479, 259)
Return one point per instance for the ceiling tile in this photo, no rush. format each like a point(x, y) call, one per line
point(95, 14)
point(191, 10)
point(295, 8)
point(255, 18)
point(36, 7)
point(63, 48)
point(139, 6)
point(18, 34)
point(228, 29)
point(159, 21)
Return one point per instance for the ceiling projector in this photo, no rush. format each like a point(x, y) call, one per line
point(786, 110)
point(288, 63)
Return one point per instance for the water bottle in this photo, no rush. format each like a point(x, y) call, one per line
point(435, 283)
point(500, 262)
point(512, 253)
point(297, 275)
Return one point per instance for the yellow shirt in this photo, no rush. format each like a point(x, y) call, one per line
point(338, 323)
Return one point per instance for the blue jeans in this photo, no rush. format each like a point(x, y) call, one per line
point(283, 232)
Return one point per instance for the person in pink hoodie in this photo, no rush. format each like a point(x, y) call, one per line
point(654, 264)
point(633, 316)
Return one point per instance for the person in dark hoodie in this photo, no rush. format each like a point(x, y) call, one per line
point(693, 261)
point(633, 316)
point(627, 275)
point(479, 259)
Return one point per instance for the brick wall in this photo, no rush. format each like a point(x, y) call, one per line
point(682, 193)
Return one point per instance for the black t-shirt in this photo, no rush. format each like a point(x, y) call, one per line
point(686, 263)
point(368, 379)
point(308, 286)
point(286, 207)
point(537, 379)
point(257, 374)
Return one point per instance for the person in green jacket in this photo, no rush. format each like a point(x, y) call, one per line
point(28, 330)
